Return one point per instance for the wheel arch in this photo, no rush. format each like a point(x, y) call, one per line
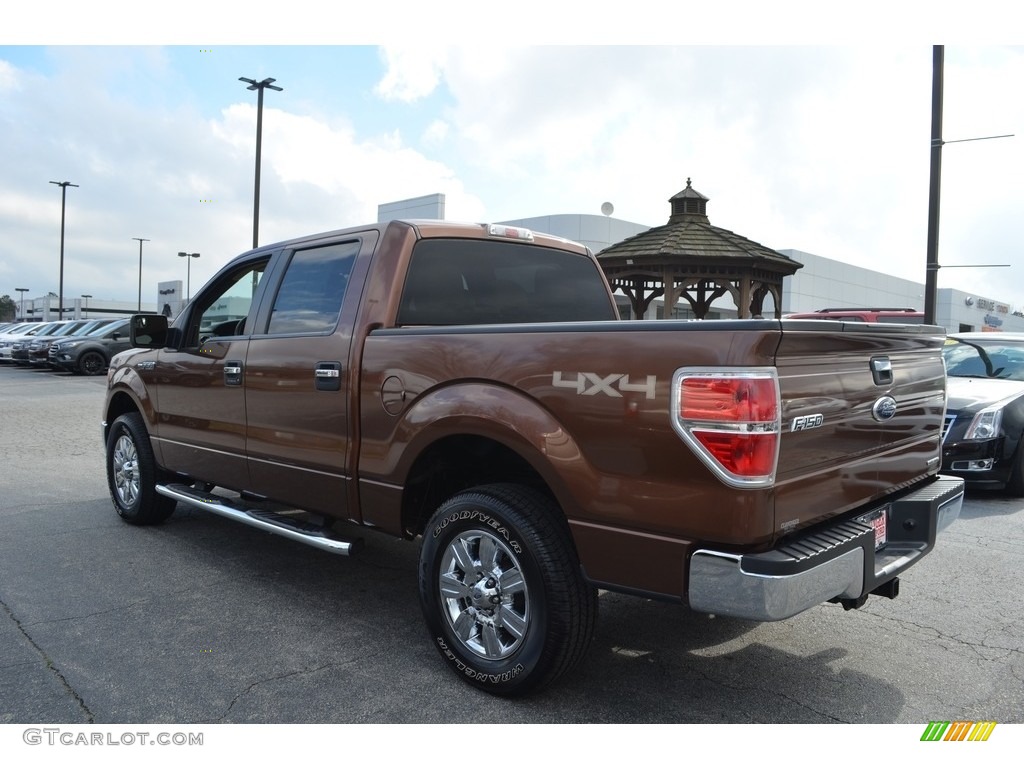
point(457, 463)
point(127, 393)
point(470, 434)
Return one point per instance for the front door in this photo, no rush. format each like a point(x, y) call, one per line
point(200, 400)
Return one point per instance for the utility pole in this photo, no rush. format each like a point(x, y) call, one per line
point(931, 275)
point(931, 279)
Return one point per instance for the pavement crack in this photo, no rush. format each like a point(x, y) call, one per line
point(50, 665)
point(249, 689)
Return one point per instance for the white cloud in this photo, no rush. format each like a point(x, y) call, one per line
point(411, 73)
point(8, 77)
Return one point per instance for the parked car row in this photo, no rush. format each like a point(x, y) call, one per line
point(78, 346)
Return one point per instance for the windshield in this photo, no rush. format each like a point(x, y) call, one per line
point(983, 358)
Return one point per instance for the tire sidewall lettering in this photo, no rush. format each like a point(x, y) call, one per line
point(475, 674)
point(475, 515)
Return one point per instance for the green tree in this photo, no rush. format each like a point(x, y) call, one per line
point(8, 309)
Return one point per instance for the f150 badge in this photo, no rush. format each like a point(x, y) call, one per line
point(612, 385)
point(811, 421)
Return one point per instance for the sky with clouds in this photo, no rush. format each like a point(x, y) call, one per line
point(818, 146)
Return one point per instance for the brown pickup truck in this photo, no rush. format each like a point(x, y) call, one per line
point(471, 386)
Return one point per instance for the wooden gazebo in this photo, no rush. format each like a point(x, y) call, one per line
point(690, 259)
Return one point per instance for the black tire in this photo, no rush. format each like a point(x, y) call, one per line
point(1015, 484)
point(132, 473)
point(502, 590)
point(92, 364)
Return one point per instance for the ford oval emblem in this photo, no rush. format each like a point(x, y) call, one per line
point(884, 408)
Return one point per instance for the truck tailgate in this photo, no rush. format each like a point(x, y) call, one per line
point(862, 411)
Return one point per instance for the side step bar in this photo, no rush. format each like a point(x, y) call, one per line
point(282, 525)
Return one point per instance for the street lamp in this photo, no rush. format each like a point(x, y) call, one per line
point(188, 273)
point(86, 296)
point(22, 291)
point(63, 197)
point(141, 241)
point(258, 86)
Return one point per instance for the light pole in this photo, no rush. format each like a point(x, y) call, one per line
point(258, 86)
point(188, 273)
point(63, 198)
point(141, 241)
point(22, 291)
point(86, 296)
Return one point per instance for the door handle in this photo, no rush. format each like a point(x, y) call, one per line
point(233, 373)
point(328, 376)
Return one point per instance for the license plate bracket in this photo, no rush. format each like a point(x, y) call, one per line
point(877, 519)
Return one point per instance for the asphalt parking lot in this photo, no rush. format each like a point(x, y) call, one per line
point(201, 620)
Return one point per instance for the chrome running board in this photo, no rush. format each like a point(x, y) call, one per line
point(240, 510)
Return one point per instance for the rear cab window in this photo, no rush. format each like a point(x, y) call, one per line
point(474, 282)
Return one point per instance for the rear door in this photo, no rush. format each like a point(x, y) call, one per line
point(298, 380)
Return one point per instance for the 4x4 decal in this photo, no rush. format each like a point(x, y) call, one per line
point(612, 385)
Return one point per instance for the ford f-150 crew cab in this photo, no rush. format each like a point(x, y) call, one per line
point(471, 387)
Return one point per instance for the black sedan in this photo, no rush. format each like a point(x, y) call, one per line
point(985, 416)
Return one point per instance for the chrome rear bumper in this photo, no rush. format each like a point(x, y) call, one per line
point(835, 562)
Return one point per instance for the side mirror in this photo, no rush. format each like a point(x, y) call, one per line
point(149, 331)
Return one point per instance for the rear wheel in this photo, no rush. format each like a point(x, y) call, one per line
point(132, 473)
point(502, 590)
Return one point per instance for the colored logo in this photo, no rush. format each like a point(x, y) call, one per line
point(960, 730)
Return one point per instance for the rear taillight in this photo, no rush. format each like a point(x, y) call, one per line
point(730, 418)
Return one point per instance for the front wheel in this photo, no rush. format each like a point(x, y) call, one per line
point(132, 473)
point(92, 364)
point(1015, 484)
point(502, 591)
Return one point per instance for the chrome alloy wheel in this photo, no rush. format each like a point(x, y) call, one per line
point(484, 594)
point(126, 471)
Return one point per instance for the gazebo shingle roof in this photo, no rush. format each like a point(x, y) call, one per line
point(697, 261)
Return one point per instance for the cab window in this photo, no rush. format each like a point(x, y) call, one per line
point(311, 294)
point(463, 282)
point(223, 310)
